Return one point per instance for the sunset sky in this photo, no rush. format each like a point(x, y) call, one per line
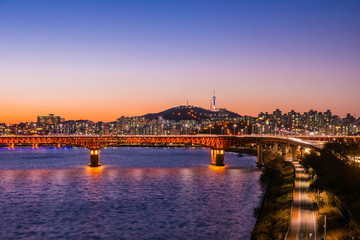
point(99, 60)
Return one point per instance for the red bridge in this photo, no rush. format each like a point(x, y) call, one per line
point(218, 143)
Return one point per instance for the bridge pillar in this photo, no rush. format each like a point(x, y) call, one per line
point(35, 145)
point(283, 150)
point(58, 145)
point(260, 159)
point(94, 158)
point(276, 147)
point(11, 145)
point(294, 151)
point(217, 157)
point(302, 151)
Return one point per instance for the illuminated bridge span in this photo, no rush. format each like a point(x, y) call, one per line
point(217, 143)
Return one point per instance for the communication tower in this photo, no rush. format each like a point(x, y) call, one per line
point(213, 101)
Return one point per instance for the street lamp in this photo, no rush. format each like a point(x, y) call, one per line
point(324, 225)
point(222, 130)
point(234, 128)
point(210, 128)
point(318, 203)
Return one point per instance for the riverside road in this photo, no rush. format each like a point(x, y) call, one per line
point(303, 223)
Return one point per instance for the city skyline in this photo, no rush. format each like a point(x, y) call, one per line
point(194, 120)
point(132, 116)
point(99, 60)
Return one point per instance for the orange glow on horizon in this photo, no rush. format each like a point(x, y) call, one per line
point(20, 111)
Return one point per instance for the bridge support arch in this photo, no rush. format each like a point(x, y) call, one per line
point(294, 152)
point(276, 147)
point(11, 145)
point(35, 145)
point(283, 150)
point(94, 158)
point(302, 151)
point(217, 157)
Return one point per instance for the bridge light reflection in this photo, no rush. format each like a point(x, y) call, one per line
point(217, 169)
point(95, 171)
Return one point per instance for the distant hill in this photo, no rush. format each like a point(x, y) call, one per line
point(191, 113)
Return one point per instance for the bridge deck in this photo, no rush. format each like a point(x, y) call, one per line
point(211, 141)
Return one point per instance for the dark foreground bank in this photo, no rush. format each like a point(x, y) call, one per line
point(273, 217)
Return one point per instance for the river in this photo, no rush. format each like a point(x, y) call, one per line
point(137, 193)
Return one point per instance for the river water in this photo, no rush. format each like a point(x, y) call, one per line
point(137, 193)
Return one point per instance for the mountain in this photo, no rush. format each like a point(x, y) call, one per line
point(191, 113)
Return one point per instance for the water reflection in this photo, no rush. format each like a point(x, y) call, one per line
point(95, 171)
point(136, 194)
point(137, 174)
point(217, 169)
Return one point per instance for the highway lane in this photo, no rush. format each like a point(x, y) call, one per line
point(303, 222)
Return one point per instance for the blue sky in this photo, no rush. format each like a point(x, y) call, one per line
point(103, 59)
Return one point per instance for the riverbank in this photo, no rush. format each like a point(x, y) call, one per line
point(338, 183)
point(337, 225)
point(273, 217)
